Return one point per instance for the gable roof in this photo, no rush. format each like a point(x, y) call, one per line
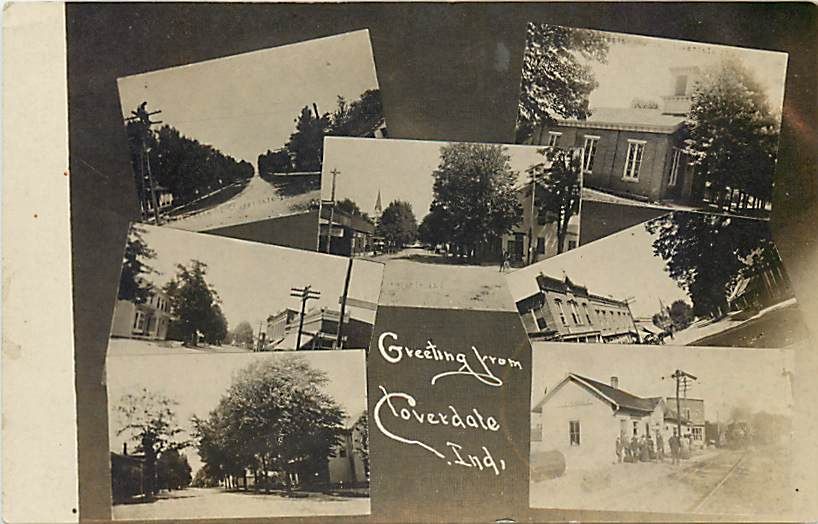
point(628, 118)
point(618, 398)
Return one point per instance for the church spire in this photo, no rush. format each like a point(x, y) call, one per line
point(378, 208)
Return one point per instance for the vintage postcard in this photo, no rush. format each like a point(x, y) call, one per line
point(448, 218)
point(183, 292)
point(239, 139)
point(231, 435)
point(667, 123)
point(685, 278)
point(704, 431)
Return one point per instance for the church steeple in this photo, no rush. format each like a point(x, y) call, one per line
point(378, 208)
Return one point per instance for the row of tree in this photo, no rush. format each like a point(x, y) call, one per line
point(730, 133)
point(182, 165)
point(305, 149)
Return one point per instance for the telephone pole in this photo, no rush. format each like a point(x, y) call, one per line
point(340, 340)
point(143, 117)
point(305, 294)
point(680, 376)
point(331, 203)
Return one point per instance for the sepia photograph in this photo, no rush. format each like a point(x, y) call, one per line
point(667, 123)
point(704, 431)
point(246, 143)
point(183, 292)
point(233, 435)
point(451, 216)
point(685, 278)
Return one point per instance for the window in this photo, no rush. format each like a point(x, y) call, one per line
point(674, 167)
point(697, 434)
point(589, 152)
point(562, 312)
point(540, 245)
point(553, 138)
point(635, 428)
point(539, 319)
point(634, 159)
point(572, 244)
point(574, 313)
point(587, 313)
point(139, 322)
point(681, 85)
point(573, 432)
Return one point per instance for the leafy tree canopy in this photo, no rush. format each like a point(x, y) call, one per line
point(195, 305)
point(398, 225)
point(475, 195)
point(558, 186)
point(733, 135)
point(134, 266)
point(555, 83)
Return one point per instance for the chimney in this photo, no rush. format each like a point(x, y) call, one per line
point(124, 448)
point(615, 382)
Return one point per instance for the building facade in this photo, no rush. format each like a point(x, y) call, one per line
point(319, 330)
point(566, 312)
point(582, 417)
point(636, 152)
point(535, 237)
point(350, 463)
point(692, 419)
point(147, 320)
point(349, 234)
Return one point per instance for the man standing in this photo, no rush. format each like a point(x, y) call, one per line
point(634, 449)
point(619, 448)
point(674, 448)
point(660, 447)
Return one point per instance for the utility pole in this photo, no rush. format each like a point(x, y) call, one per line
point(305, 294)
point(143, 117)
point(339, 342)
point(680, 376)
point(331, 202)
point(530, 254)
point(628, 301)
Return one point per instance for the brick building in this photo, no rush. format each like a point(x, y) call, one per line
point(636, 151)
point(564, 311)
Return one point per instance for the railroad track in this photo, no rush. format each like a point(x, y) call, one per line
point(697, 508)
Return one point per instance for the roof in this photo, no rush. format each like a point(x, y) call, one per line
point(344, 218)
point(628, 118)
point(618, 398)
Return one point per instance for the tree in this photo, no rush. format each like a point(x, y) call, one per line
point(732, 135)
point(361, 442)
point(307, 141)
point(195, 305)
point(433, 229)
point(706, 253)
point(360, 118)
point(274, 162)
point(351, 207)
point(148, 418)
point(475, 195)
point(173, 470)
point(134, 264)
point(275, 417)
point(554, 82)
point(558, 188)
point(398, 225)
point(681, 314)
point(243, 334)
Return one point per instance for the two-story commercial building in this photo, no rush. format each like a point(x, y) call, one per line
point(635, 152)
point(319, 330)
point(566, 312)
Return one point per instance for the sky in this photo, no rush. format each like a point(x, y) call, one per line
point(727, 378)
point(254, 280)
point(621, 265)
point(639, 68)
point(399, 169)
point(207, 377)
point(246, 104)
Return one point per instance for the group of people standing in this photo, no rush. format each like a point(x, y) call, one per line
point(645, 448)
